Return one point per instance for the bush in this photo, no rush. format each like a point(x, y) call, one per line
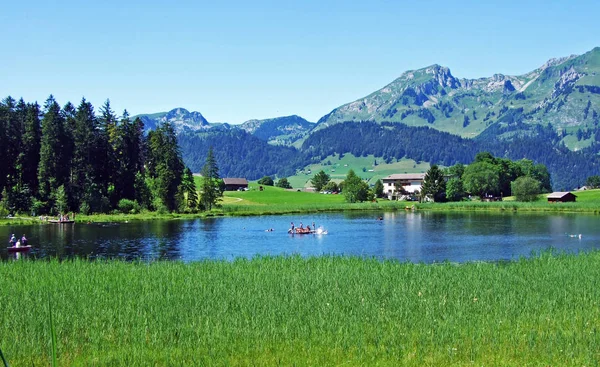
point(127, 206)
point(84, 208)
point(526, 188)
point(267, 181)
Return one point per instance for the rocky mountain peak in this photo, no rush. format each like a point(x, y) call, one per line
point(443, 76)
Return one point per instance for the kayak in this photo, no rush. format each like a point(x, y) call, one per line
point(19, 249)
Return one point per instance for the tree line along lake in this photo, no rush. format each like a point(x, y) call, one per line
point(414, 236)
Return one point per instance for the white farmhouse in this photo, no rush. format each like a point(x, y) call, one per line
point(410, 183)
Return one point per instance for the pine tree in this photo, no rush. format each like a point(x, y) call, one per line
point(211, 182)
point(189, 188)
point(434, 184)
point(378, 189)
point(83, 173)
point(30, 147)
point(165, 165)
point(11, 139)
point(111, 169)
point(53, 169)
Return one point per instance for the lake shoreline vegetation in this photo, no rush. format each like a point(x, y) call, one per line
point(288, 310)
point(588, 203)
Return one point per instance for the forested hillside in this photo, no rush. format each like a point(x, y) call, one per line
point(278, 131)
point(394, 141)
point(239, 154)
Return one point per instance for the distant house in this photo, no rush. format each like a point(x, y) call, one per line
point(561, 197)
point(396, 185)
point(233, 184)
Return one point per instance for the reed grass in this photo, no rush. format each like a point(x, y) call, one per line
point(544, 310)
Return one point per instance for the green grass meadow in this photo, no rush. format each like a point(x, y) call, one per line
point(327, 311)
point(337, 168)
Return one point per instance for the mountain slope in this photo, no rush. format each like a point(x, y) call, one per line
point(280, 130)
point(238, 154)
point(180, 118)
point(564, 93)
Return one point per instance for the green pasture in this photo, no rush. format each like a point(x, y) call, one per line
point(369, 168)
point(327, 311)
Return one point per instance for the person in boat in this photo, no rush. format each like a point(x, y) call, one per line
point(292, 229)
point(24, 240)
point(18, 244)
point(13, 240)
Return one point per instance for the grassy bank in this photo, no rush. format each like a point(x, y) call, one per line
point(274, 200)
point(294, 311)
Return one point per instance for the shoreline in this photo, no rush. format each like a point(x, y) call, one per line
point(385, 206)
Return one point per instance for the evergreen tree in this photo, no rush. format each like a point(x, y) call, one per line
point(111, 135)
point(29, 157)
point(189, 188)
point(165, 165)
point(84, 161)
point(378, 189)
point(434, 184)
point(53, 169)
point(211, 182)
point(11, 138)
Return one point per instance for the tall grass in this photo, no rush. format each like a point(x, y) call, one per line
point(304, 311)
point(537, 206)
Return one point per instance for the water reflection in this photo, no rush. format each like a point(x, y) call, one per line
point(404, 235)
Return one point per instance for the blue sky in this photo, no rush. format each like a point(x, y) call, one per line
point(239, 60)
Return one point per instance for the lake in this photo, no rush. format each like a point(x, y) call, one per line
point(407, 236)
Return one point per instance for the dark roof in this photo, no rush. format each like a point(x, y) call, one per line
point(235, 181)
point(559, 195)
point(406, 176)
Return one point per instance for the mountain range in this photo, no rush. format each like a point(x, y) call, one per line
point(562, 96)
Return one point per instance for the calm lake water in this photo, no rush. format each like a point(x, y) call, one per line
point(407, 236)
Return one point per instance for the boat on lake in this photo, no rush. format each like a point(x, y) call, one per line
point(58, 221)
point(311, 231)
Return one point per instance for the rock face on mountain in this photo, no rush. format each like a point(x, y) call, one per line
point(563, 93)
point(280, 130)
point(276, 131)
point(180, 118)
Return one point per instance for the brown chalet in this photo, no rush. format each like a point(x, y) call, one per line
point(561, 197)
point(233, 184)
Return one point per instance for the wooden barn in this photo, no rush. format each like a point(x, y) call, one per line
point(561, 197)
point(233, 184)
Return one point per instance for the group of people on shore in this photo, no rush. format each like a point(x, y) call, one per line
point(14, 242)
point(302, 229)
